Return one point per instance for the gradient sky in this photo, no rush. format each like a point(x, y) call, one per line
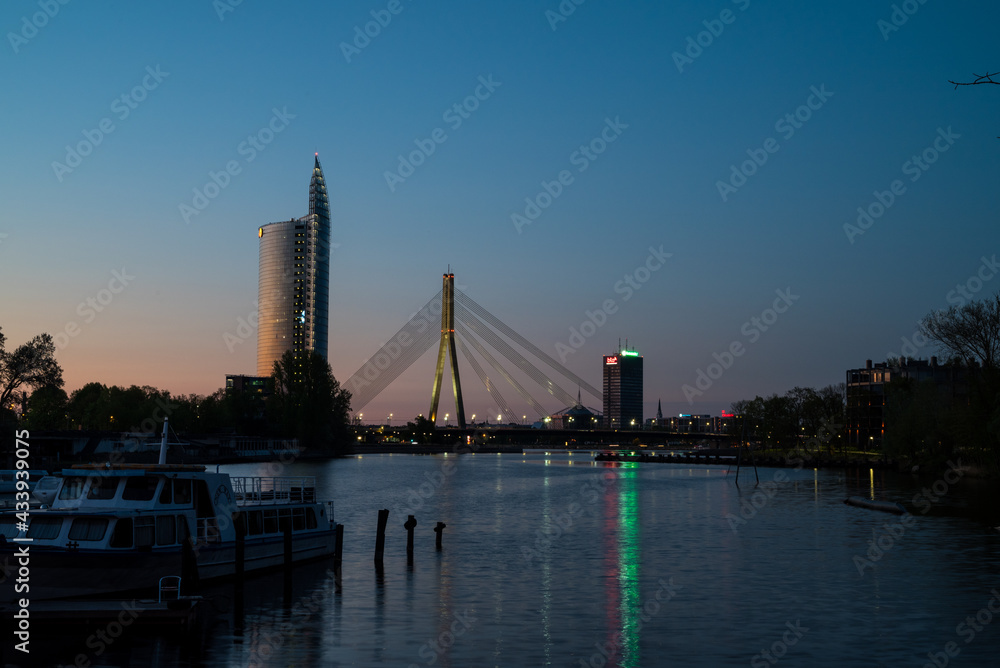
point(222, 74)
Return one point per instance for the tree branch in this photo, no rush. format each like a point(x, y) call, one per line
point(980, 79)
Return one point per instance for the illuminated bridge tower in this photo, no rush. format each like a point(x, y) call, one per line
point(447, 344)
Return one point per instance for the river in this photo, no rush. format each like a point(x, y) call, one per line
point(555, 560)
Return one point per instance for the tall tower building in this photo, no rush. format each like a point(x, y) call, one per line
point(294, 283)
point(623, 390)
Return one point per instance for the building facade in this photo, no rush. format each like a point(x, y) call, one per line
point(294, 281)
point(623, 390)
point(867, 389)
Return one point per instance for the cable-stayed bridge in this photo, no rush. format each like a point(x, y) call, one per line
point(457, 323)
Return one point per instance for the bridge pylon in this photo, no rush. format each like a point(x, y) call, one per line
point(447, 347)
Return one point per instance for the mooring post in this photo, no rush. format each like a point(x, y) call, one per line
point(287, 529)
point(338, 555)
point(409, 525)
point(338, 548)
point(383, 519)
point(239, 523)
point(439, 529)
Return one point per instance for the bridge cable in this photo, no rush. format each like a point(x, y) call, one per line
point(371, 379)
point(539, 409)
point(513, 356)
point(488, 317)
point(493, 390)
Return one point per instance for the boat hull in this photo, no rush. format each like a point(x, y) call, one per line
point(57, 573)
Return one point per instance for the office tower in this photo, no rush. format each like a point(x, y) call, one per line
point(294, 281)
point(623, 390)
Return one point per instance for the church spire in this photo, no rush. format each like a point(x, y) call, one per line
point(659, 412)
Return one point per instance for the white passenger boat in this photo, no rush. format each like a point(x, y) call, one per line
point(105, 528)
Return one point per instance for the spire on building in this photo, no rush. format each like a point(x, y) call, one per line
point(659, 412)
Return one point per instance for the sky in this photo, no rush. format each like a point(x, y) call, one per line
point(807, 165)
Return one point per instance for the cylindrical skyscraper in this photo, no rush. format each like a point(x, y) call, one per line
point(294, 281)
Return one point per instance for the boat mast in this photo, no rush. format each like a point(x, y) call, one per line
point(163, 443)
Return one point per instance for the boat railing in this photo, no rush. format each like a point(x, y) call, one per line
point(260, 490)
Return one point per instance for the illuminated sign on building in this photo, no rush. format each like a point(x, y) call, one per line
point(611, 360)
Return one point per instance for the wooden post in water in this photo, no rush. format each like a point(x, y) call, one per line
point(239, 523)
point(287, 529)
point(383, 519)
point(439, 529)
point(409, 525)
point(338, 548)
point(338, 555)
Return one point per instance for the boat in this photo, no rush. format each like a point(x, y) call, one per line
point(100, 529)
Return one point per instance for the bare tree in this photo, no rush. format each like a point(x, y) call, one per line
point(970, 332)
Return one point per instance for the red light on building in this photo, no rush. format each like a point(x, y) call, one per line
point(611, 360)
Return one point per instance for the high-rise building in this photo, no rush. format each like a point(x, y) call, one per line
point(294, 282)
point(623, 390)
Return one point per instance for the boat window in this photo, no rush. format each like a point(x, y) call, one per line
point(254, 523)
point(182, 529)
point(145, 532)
point(310, 518)
point(122, 535)
point(270, 521)
point(102, 488)
point(299, 519)
point(72, 488)
point(165, 495)
point(42, 528)
point(182, 491)
point(7, 527)
point(139, 488)
point(166, 530)
point(88, 528)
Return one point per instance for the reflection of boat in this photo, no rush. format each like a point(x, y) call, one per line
point(113, 528)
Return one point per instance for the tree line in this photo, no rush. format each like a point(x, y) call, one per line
point(785, 421)
point(303, 401)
